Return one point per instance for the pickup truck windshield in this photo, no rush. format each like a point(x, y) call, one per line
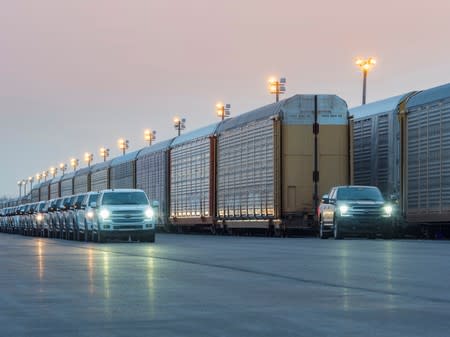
point(359, 193)
point(124, 198)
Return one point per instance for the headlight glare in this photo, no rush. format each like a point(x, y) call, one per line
point(89, 214)
point(104, 213)
point(149, 213)
point(387, 210)
point(343, 209)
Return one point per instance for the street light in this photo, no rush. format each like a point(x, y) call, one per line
point(45, 174)
point(149, 136)
point(277, 87)
point(88, 157)
point(365, 66)
point(123, 144)
point(38, 177)
point(63, 167)
point(104, 153)
point(223, 110)
point(53, 171)
point(74, 163)
point(179, 124)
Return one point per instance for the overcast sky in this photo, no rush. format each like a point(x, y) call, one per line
point(79, 74)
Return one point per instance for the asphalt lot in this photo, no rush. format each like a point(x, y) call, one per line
point(199, 285)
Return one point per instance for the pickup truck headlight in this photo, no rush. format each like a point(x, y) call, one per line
point(149, 213)
point(89, 214)
point(39, 217)
point(104, 213)
point(343, 209)
point(387, 210)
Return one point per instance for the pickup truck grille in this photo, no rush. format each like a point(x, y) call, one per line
point(366, 210)
point(127, 217)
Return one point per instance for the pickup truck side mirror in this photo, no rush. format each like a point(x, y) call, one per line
point(93, 204)
point(155, 204)
point(325, 199)
point(394, 198)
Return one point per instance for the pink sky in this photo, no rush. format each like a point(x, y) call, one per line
point(78, 74)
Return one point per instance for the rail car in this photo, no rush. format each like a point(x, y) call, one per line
point(152, 176)
point(264, 169)
point(402, 145)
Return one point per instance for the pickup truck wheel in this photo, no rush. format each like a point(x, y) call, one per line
point(150, 237)
point(100, 237)
point(388, 233)
point(337, 230)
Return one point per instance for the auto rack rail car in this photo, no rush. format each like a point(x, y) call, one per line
point(402, 145)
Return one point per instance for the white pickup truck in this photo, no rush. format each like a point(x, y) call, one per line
point(124, 214)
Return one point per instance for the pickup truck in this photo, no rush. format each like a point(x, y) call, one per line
point(355, 210)
point(124, 214)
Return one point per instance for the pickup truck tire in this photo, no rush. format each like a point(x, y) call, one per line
point(388, 233)
point(337, 230)
point(148, 237)
point(100, 236)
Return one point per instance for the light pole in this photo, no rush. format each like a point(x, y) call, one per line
point(45, 174)
point(179, 124)
point(19, 183)
point(38, 177)
point(30, 180)
point(24, 183)
point(365, 66)
point(74, 163)
point(149, 136)
point(277, 87)
point(223, 110)
point(53, 171)
point(88, 158)
point(123, 145)
point(63, 168)
point(104, 153)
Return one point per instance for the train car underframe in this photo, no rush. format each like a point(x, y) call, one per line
point(291, 224)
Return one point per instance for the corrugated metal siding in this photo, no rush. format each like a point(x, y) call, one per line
point(99, 179)
point(428, 157)
point(245, 172)
point(35, 194)
point(376, 152)
point(190, 174)
point(54, 190)
point(362, 148)
point(382, 153)
point(81, 183)
point(376, 143)
point(122, 175)
point(67, 187)
point(152, 177)
point(43, 191)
